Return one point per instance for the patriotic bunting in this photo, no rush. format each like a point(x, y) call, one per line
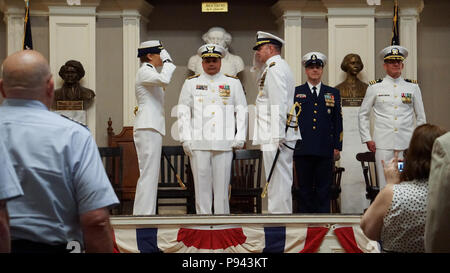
point(239, 239)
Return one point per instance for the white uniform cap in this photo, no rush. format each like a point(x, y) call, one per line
point(211, 50)
point(394, 52)
point(267, 38)
point(150, 47)
point(314, 58)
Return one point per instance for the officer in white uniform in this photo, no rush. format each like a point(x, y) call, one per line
point(212, 113)
point(276, 89)
point(395, 102)
point(149, 126)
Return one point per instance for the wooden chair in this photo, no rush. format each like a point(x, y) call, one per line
point(368, 165)
point(131, 169)
point(246, 182)
point(335, 189)
point(168, 186)
point(112, 158)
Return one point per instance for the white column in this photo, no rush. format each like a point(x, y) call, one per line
point(72, 37)
point(408, 38)
point(14, 19)
point(293, 38)
point(131, 28)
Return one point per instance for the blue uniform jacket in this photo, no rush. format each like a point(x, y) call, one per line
point(320, 121)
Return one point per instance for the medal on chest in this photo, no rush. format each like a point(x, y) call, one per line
point(329, 99)
point(406, 98)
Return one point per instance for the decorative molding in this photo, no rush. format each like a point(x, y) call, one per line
point(71, 11)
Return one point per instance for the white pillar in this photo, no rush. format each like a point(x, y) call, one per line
point(131, 26)
point(14, 19)
point(293, 38)
point(408, 38)
point(72, 37)
point(289, 14)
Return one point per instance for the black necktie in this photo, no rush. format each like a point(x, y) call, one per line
point(314, 91)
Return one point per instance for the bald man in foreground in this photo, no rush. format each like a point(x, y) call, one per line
point(66, 190)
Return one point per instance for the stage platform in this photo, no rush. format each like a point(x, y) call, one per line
point(264, 233)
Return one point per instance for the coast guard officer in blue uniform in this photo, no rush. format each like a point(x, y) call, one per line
point(320, 122)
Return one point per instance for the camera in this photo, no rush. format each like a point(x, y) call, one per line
point(400, 166)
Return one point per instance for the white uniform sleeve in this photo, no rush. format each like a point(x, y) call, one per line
point(149, 77)
point(278, 93)
point(185, 103)
point(418, 107)
point(241, 113)
point(364, 114)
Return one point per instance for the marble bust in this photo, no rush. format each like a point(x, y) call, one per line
point(231, 64)
point(352, 87)
point(72, 72)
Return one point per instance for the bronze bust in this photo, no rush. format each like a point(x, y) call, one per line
point(352, 87)
point(72, 72)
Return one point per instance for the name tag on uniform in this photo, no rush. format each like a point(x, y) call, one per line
point(300, 96)
point(201, 87)
point(224, 90)
point(383, 95)
point(406, 98)
point(329, 99)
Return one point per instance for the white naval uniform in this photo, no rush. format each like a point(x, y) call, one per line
point(149, 127)
point(395, 103)
point(274, 101)
point(207, 120)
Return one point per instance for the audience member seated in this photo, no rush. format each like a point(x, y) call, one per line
point(397, 216)
point(66, 190)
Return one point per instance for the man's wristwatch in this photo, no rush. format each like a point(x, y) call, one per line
point(167, 61)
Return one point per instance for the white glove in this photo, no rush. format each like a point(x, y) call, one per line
point(279, 141)
point(187, 148)
point(165, 56)
point(238, 144)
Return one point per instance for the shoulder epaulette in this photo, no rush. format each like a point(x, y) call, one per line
point(375, 81)
point(234, 77)
point(411, 81)
point(149, 65)
point(74, 121)
point(271, 64)
point(193, 76)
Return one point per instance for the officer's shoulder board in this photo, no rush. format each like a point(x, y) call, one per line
point(234, 77)
point(375, 81)
point(193, 76)
point(411, 81)
point(74, 121)
point(149, 65)
point(271, 64)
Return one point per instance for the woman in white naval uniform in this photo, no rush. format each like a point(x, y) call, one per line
point(212, 119)
point(275, 98)
point(149, 125)
point(396, 102)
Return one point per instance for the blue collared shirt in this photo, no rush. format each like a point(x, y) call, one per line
point(60, 171)
point(9, 184)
